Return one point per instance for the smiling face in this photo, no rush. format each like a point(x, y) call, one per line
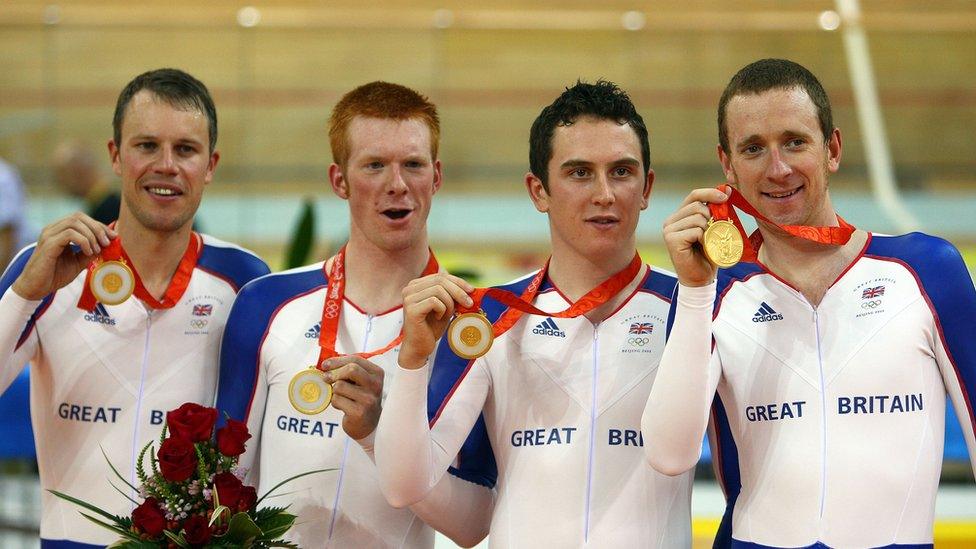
point(596, 191)
point(777, 156)
point(389, 180)
point(164, 161)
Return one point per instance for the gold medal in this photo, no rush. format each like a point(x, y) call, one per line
point(722, 243)
point(470, 335)
point(112, 282)
point(308, 391)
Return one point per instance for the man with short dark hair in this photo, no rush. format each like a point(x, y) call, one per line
point(828, 356)
point(105, 374)
point(556, 401)
point(384, 140)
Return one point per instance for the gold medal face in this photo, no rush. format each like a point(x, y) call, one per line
point(112, 282)
point(308, 391)
point(469, 335)
point(722, 243)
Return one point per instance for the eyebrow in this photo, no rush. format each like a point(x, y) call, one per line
point(747, 140)
point(579, 163)
point(786, 134)
point(153, 137)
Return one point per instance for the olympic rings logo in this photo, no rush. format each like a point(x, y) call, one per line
point(871, 304)
point(198, 323)
point(638, 341)
point(331, 310)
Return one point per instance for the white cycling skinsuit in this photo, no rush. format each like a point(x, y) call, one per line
point(104, 379)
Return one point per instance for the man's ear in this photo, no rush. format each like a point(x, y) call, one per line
point(537, 192)
point(338, 181)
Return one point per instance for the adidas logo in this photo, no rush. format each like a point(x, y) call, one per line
point(100, 315)
point(766, 314)
point(313, 332)
point(548, 327)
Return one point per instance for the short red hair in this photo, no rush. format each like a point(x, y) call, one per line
point(380, 100)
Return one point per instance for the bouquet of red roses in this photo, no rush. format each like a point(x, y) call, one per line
point(192, 494)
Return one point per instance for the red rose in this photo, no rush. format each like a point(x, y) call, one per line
point(177, 459)
point(228, 489)
point(148, 518)
point(231, 438)
point(196, 530)
point(192, 422)
point(249, 496)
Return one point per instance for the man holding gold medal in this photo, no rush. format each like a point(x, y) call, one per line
point(122, 323)
point(549, 374)
point(287, 362)
point(828, 350)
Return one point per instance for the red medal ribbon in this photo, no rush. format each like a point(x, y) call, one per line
point(332, 309)
point(175, 290)
point(518, 305)
point(836, 236)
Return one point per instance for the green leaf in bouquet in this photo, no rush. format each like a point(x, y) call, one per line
point(163, 433)
point(140, 463)
point(280, 543)
point(265, 513)
point(126, 496)
point(215, 516)
point(116, 471)
point(276, 525)
point(176, 538)
point(289, 479)
point(153, 464)
point(133, 544)
point(115, 519)
point(241, 529)
point(127, 534)
point(202, 464)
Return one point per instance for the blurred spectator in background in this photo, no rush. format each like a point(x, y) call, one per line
point(15, 233)
point(77, 173)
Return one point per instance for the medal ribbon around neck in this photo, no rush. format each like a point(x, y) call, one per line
point(177, 284)
point(470, 334)
point(835, 236)
point(332, 309)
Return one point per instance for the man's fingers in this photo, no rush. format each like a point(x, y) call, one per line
point(688, 210)
point(457, 288)
point(459, 282)
point(356, 374)
point(434, 299)
point(686, 237)
point(90, 234)
point(97, 229)
point(336, 362)
point(87, 243)
point(694, 220)
point(343, 403)
point(353, 398)
point(708, 194)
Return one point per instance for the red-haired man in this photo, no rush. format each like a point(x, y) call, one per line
point(384, 145)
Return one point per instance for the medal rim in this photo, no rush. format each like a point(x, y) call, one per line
point(306, 410)
point(464, 354)
point(711, 228)
point(97, 292)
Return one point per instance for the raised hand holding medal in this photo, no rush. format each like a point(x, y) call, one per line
point(310, 391)
point(470, 334)
point(725, 243)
